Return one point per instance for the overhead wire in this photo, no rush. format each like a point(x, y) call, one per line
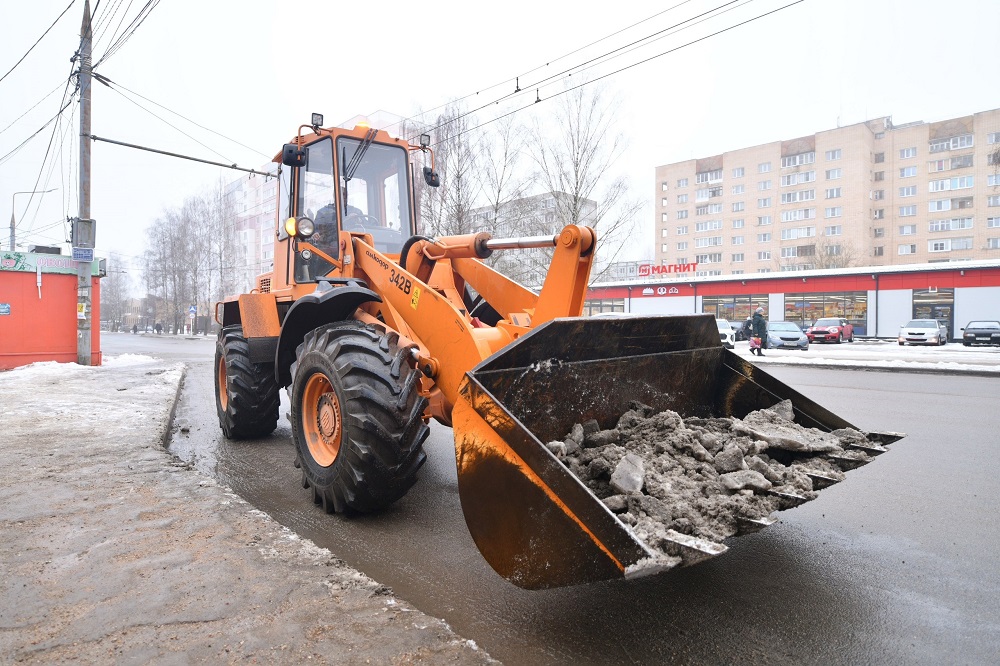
point(37, 41)
point(618, 71)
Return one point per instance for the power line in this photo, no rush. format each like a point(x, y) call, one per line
point(129, 30)
point(37, 41)
point(32, 107)
point(618, 71)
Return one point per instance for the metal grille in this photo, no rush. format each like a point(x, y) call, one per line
point(265, 285)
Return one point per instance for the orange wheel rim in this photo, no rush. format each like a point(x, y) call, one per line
point(321, 420)
point(223, 386)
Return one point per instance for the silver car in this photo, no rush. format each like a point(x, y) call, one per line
point(923, 332)
point(786, 335)
point(726, 333)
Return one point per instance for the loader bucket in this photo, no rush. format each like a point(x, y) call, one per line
point(534, 521)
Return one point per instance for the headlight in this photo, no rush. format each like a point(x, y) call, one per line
point(306, 227)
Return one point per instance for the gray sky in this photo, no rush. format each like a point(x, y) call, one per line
point(253, 71)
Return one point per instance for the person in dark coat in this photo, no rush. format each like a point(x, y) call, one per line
point(747, 328)
point(759, 330)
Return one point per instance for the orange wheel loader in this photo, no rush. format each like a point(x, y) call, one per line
point(374, 330)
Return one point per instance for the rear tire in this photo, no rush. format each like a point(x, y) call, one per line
point(246, 393)
point(356, 417)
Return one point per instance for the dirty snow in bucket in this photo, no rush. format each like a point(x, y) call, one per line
point(708, 478)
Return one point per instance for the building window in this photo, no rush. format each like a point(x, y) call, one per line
point(795, 197)
point(738, 206)
point(907, 249)
point(954, 143)
point(993, 223)
point(835, 211)
point(737, 240)
point(764, 203)
point(764, 185)
point(682, 230)
point(763, 220)
point(993, 200)
point(879, 135)
point(798, 160)
point(663, 247)
point(833, 250)
point(835, 230)
point(764, 167)
point(798, 232)
point(878, 214)
point(907, 211)
point(908, 172)
point(879, 158)
point(708, 176)
point(939, 205)
point(878, 195)
point(906, 153)
point(833, 155)
point(993, 243)
point(993, 138)
point(682, 260)
point(798, 214)
point(993, 180)
point(945, 184)
point(663, 201)
point(682, 198)
point(683, 245)
point(833, 174)
point(682, 182)
point(798, 178)
point(908, 230)
point(739, 224)
point(708, 241)
point(908, 191)
point(833, 193)
point(879, 175)
point(664, 233)
point(738, 172)
point(714, 258)
point(879, 232)
point(708, 225)
point(739, 189)
point(738, 258)
point(764, 238)
point(663, 217)
point(879, 251)
point(787, 252)
point(764, 255)
point(682, 215)
point(663, 186)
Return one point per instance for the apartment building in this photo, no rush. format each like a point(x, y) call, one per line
point(869, 194)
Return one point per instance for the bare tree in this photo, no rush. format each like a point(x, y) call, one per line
point(835, 255)
point(575, 151)
point(448, 210)
point(115, 288)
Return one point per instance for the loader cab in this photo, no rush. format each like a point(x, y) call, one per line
point(345, 183)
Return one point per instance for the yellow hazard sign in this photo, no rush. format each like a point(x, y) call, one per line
point(415, 298)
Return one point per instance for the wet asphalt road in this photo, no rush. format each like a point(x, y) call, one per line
point(896, 565)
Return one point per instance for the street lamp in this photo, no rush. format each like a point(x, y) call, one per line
point(12, 210)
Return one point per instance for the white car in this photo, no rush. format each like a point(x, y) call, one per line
point(726, 333)
point(923, 332)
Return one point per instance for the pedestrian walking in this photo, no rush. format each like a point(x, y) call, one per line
point(758, 332)
point(748, 327)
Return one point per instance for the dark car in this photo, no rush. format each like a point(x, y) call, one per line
point(981, 332)
point(786, 335)
point(831, 329)
point(739, 331)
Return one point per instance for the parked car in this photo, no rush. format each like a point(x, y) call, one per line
point(739, 331)
point(786, 335)
point(981, 332)
point(923, 332)
point(831, 329)
point(726, 334)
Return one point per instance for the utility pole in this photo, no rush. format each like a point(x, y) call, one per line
point(84, 268)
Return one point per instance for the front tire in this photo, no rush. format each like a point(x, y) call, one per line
point(246, 393)
point(356, 416)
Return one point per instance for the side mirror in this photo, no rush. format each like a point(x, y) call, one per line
point(431, 177)
point(292, 155)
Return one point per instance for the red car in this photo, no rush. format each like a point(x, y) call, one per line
point(831, 329)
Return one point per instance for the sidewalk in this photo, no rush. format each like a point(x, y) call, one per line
point(114, 551)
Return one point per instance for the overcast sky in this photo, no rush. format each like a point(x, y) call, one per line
point(254, 70)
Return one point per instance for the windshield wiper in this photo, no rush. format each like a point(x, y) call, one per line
point(359, 153)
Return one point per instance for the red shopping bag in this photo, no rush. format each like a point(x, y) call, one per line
point(754, 343)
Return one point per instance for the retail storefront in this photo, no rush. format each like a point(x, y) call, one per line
point(876, 300)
